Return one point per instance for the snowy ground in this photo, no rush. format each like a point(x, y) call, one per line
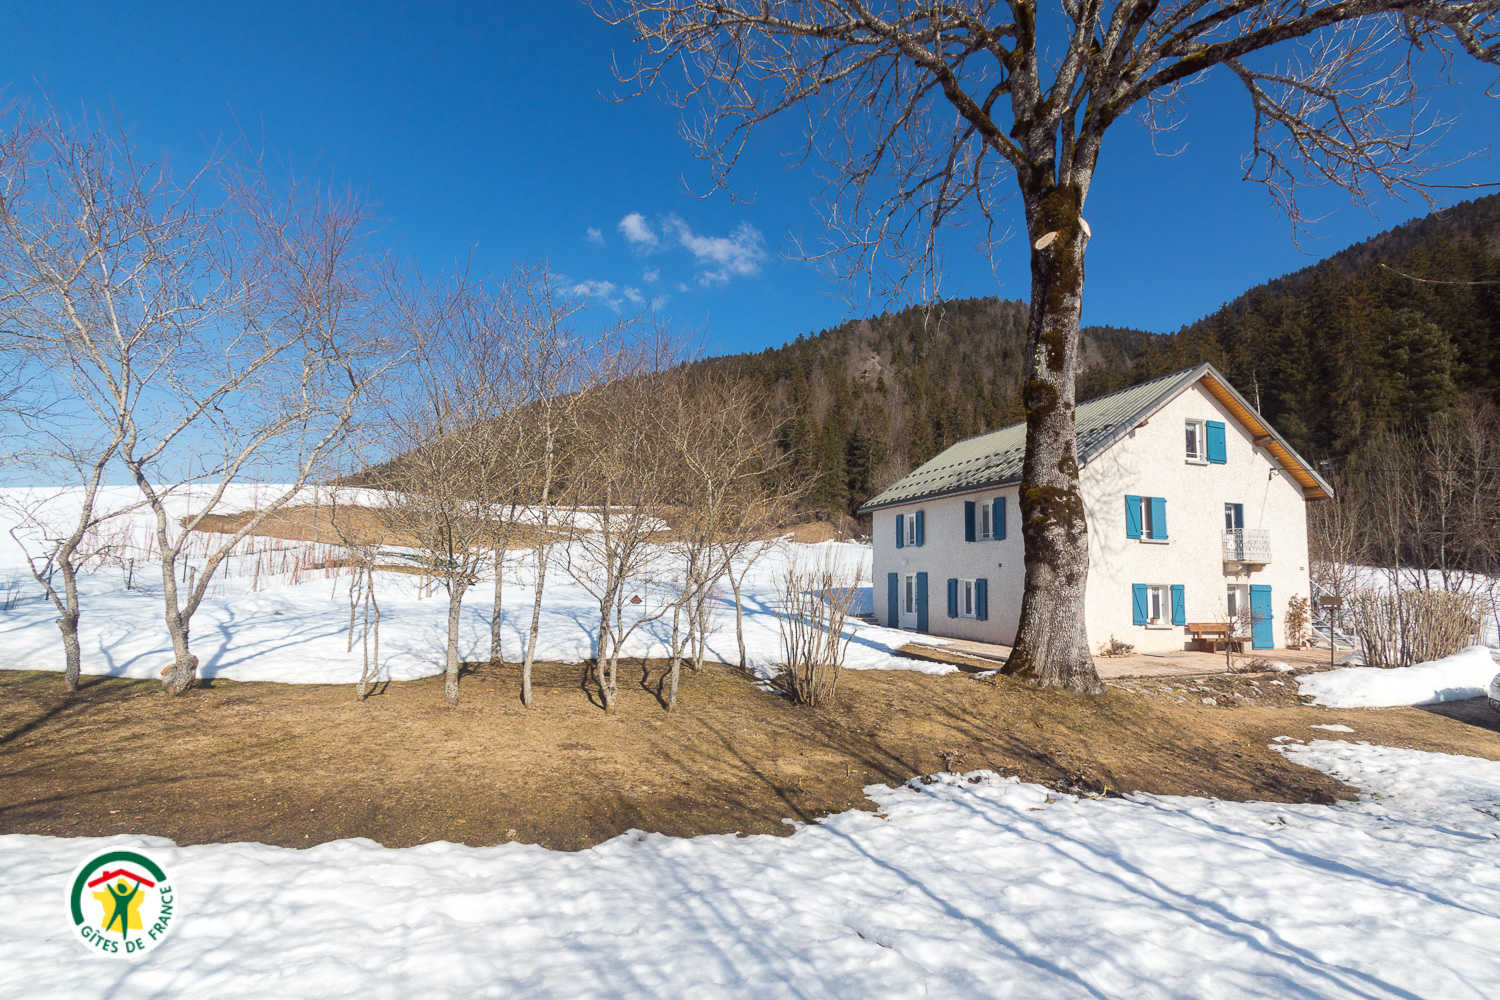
point(292, 627)
point(975, 886)
point(1465, 674)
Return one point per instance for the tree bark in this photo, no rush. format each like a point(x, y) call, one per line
point(184, 669)
point(495, 652)
point(67, 622)
point(450, 676)
point(542, 549)
point(1052, 640)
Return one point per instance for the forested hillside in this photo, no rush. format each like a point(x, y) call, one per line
point(865, 402)
point(1388, 330)
point(1334, 352)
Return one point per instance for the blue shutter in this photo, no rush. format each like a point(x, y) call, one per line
point(921, 600)
point(1132, 516)
point(1179, 605)
point(900, 530)
point(1138, 607)
point(1159, 517)
point(892, 600)
point(952, 598)
point(1217, 451)
point(1262, 628)
point(921, 529)
point(982, 599)
point(968, 520)
point(997, 519)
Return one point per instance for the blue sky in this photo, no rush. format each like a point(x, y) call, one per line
point(489, 130)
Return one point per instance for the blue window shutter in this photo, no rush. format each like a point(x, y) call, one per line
point(1138, 606)
point(1179, 605)
point(892, 600)
point(900, 530)
point(968, 520)
point(952, 598)
point(997, 519)
point(921, 529)
point(1159, 517)
point(1132, 516)
point(982, 599)
point(1217, 451)
point(921, 600)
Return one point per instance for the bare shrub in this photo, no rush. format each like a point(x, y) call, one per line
point(816, 595)
point(1402, 627)
point(1116, 647)
point(1297, 618)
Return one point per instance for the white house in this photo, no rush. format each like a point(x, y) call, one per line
point(1196, 507)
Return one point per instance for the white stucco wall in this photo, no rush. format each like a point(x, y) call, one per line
point(1149, 462)
point(945, 554)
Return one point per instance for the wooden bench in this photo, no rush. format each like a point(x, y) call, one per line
point(1212, 637)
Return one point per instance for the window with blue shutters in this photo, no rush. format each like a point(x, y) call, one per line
point(1146, 517)
point(1218, 452)
point(969, 599)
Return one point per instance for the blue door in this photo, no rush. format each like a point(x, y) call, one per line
point(1261, 633)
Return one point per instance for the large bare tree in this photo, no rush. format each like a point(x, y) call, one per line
point(927, 113)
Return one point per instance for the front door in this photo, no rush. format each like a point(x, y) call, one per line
point(909, 601)
point(1261, 631)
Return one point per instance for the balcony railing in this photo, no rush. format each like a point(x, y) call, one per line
point(1247, 545)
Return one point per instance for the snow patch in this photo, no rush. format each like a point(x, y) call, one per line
point(1464, 675)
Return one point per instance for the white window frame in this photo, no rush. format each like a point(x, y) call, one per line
point(910, 524)
point(1200, 428)
point(909, 592)
point(968, 599)
point(1237, 608)
point(986, 512)
point(1162, 594)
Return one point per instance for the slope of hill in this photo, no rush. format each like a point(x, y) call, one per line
point(866, 401)
point(1383, 332)
point(1386, 330)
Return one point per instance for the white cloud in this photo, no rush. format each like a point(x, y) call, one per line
point(737, 255)
point(650, 275)
point(594, 236)
point(606, 292)
point(634, 295)
point(637, 231)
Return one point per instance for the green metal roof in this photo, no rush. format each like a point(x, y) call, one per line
point(994, 459)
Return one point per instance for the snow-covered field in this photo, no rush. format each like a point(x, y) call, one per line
point(281, 627)
point(1465, 674)
point(969, 886)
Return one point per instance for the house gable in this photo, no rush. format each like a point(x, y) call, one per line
point(993, 460)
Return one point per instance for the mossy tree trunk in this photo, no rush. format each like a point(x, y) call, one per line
point(1052, 640)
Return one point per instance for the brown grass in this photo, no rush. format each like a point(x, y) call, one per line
point(301, 764)
point(356, 524)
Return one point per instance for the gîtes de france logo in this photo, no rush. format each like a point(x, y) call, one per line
point(122, 904)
